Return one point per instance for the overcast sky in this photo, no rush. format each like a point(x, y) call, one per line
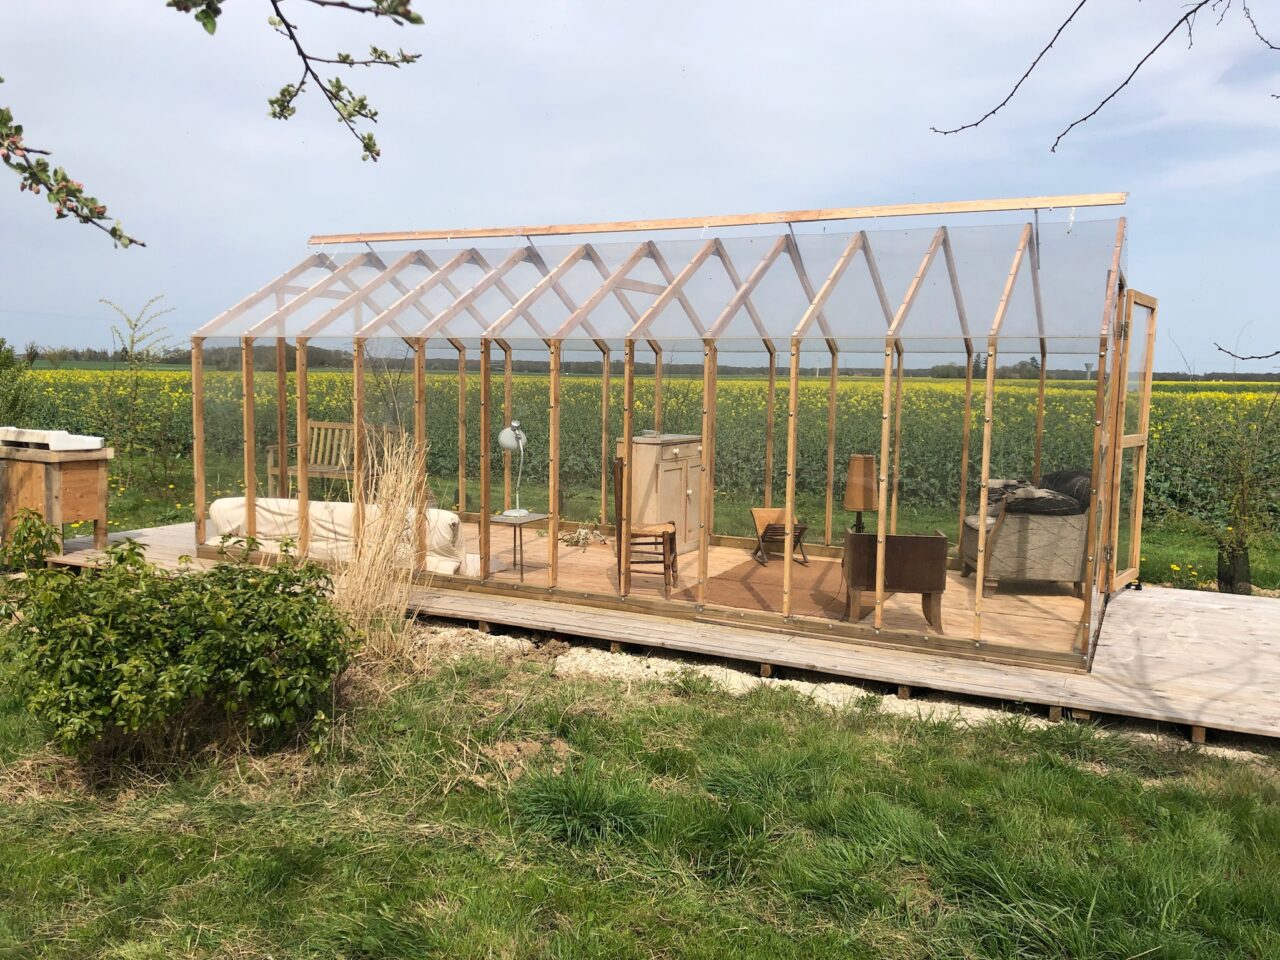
point(576, 110)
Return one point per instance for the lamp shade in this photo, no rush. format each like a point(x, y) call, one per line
point(861, 488)
point(512, 438)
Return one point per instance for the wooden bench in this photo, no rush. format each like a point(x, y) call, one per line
point(330, 452)
point(912, 564)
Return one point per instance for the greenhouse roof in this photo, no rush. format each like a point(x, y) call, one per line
point(839, 276)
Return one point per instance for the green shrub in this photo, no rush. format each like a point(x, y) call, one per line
point(128, 659)
point(28, 544)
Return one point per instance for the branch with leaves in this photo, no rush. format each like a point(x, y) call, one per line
point(68, 196)
point(1186, 21)
point(38, 176)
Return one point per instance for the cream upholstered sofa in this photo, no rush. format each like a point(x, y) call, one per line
point(332, 527)
point(1034, 534)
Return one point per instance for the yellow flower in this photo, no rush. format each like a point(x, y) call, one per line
point(1174, 566)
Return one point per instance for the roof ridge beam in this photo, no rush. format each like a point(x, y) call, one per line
point(743, 219)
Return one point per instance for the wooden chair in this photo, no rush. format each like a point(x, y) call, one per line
point(330, 452)
point(771, 527)
point(650, 544)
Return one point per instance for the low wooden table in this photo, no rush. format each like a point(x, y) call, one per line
point(912, 564)
point(517, 525)
point(61, 486)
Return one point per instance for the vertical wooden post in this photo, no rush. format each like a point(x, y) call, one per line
point(250, 466)
point(462, 425)
point(486, 355)
point(628, 402)
point(508, 411)
point(606, 439)
point(832, 385)
point(304, 448)
point(657, 386)
point(706, 507)
point(988, 409)
point(282, 419)
point(897, 438)
point(553, 468)
point(1092, 548)
point(770, 409)
point(359, 452)
point(1035, 467)
point(420, 451)
point(965, 430)
point(197, 435)
point(793, 414)
point(883, 496)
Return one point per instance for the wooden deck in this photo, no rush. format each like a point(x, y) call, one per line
point(1203, 660)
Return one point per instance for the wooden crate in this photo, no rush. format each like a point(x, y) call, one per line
point(61, 486)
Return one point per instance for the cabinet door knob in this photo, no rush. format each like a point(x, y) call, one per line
point(676, 450)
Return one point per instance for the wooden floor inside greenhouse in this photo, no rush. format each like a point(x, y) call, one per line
point(1202, 660)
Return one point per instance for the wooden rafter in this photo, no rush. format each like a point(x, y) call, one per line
point(320, 288)
point(361, 294)
point(252, 300)
point(742, 292)
point(490, 279)
point(673, 291)
point(549, 279)
point(412, 298)
point(579, 316)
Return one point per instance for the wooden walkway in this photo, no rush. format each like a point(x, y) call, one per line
point(1202, 660)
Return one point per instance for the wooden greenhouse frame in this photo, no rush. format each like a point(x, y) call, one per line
point(443, 289)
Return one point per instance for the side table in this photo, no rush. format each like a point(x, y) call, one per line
point(517, 525)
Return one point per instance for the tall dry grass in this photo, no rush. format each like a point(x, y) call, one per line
point(373, 590)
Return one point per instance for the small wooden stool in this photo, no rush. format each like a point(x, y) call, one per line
point(771, 527)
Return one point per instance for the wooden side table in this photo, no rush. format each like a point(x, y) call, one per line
point(62, 486)
point(517, 525)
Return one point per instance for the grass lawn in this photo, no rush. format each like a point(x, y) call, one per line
point(483, 808)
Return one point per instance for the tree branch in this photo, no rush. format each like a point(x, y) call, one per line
point(1261, 356)
point(1034, 63)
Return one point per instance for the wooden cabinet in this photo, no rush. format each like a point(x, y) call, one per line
point(666, 483)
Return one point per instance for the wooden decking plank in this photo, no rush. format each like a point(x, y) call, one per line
point(1171, 656)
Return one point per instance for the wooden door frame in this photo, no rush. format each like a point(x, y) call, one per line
point(1119, 576)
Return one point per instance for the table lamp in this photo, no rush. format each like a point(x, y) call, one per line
point(861, 487)
point(512, 438)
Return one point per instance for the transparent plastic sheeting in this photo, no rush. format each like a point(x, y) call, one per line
point(602, 293)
